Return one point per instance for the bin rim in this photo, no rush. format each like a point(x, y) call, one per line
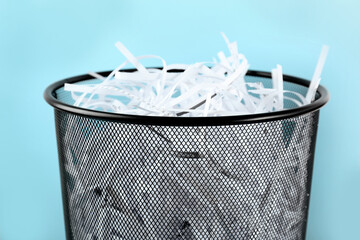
point(50, 98)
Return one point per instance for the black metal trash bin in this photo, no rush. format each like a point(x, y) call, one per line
point(143, 177)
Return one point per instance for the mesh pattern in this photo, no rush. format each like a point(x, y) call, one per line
point(132, 181)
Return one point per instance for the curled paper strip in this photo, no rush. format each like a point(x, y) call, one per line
point(215, 88)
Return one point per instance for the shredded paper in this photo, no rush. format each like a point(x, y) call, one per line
point(216, 88)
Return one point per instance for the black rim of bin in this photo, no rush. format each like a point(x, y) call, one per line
point(324, 96)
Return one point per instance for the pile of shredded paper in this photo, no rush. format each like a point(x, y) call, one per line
point(216, 88)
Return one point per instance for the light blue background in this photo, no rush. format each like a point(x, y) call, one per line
point(44, 41)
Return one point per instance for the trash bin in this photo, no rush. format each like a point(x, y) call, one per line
point(151, 177)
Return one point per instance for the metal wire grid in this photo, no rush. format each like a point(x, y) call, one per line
point(132, 181)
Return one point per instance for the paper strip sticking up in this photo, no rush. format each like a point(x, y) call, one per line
point(277, 77)
point(315, 81)
point(133, 60)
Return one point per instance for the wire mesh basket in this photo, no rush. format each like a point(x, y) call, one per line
point(144, 177)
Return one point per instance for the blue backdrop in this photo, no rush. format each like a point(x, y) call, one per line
point(44, 41)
